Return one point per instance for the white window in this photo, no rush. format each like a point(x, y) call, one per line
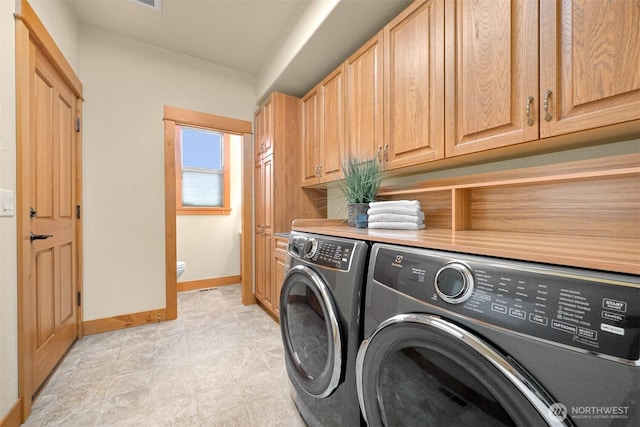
point(202, 159)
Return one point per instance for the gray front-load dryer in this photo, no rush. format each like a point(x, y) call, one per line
point(454, 339)
point(320, 320)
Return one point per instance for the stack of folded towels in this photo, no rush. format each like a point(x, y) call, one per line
point(396, 214)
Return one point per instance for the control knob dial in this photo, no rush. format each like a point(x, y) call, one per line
point(454, 283)
point(310, 248)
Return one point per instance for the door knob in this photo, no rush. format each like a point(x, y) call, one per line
point(40, 236)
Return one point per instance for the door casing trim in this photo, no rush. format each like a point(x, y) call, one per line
point(178, 116)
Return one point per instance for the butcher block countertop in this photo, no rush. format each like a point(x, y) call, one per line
point(600, 253)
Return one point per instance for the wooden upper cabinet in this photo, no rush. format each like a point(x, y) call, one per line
point(414, 85)
point(491, 55)
point(258, 137)
point(311, 137)
point(589, 64)
point(332, 129)
point(364, 99)
point(263, 142)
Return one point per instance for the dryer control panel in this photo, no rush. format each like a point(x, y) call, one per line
point(324, 251)
point(590, 310)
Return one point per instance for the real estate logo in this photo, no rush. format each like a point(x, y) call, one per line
point(561, 412)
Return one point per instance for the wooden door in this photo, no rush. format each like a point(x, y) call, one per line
point(268, 295)
point(258, 176)
point(258, 141)
point(263, 139)
point(310, 137)
point(279, 268)
point(491, 67)
point(589, 64)
point(364, 100)
point(52, 195)
point(414, 85)
point(264, 227)
point(267, 141)
point(332, 126)
point(267, 191)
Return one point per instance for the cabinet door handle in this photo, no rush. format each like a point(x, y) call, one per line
point(527, 109)
point(319, 170)
point(386, 152)
point(547, 95)
point(379, 154)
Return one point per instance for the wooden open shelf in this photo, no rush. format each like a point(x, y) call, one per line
point(582, 214)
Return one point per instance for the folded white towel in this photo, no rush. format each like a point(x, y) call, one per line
point(395, 210)
point(418, 219)
point(397, 225)
point(396, 204)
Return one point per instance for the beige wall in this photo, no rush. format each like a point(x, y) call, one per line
point(127, 84)
point(8, 258)
point(210, 244)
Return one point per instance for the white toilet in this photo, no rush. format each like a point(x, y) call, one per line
point(181, 267)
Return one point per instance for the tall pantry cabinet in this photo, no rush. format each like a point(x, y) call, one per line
point(278, 197)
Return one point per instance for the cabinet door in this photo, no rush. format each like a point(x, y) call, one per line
point(589, 64)
point(414, 85)
point(310, 137)
point(268, 276)
point(258, 195)
point(491, 67)
point(279, 259)
point(258, 137)
point(332, 148)
point(263, 139)
point(260, 266)
point(267, 147)
point(267, 187)
point(364, 99)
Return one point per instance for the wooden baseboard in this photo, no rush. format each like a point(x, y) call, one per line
point(208, 283)
point(124, 321)
point(12, 418)
point(98, 326)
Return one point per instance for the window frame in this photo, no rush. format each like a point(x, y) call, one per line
point(225, 209)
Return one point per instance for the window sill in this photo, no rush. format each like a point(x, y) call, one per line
point(203, 211)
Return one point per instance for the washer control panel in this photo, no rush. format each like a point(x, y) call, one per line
point(590, 310)
point(323, 251)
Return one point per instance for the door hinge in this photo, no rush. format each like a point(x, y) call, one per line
point(78, 212)
point(79, 299)
point(78, 124)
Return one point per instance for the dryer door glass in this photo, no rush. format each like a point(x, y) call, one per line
point(310, 332)
point(413, 373)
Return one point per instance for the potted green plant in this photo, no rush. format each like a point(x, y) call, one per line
point(362, 178)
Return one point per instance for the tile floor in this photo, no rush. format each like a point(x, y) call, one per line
point(219, 364)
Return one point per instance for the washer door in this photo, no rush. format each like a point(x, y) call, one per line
point(310, 332)
point(421, 370)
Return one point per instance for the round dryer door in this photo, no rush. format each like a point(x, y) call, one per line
point(310, 332)
point(419, 370)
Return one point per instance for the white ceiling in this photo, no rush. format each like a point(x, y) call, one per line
point(247, 34)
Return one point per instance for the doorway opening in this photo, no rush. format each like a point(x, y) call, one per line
point(174, 119)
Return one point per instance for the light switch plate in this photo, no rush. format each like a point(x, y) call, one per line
point(7, 203)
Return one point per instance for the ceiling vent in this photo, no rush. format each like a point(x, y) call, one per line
point(152, 4)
